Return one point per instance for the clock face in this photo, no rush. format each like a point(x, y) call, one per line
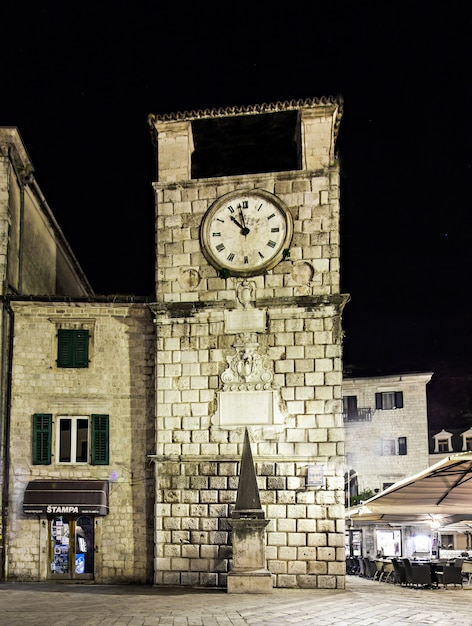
point(246, 232)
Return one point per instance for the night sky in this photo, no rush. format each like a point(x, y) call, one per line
point(80, 80)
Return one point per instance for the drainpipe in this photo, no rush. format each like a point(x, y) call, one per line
point(5, 410)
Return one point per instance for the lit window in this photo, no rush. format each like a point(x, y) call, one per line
point(72, 440)
point(388, 447)
point(389, 400)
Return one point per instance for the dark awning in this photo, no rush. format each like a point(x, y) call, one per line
point(66, 496)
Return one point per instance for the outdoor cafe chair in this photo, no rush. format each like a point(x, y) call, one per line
point(417, 575)
point(399, 574)
point(370, 568)
point(467, 571)
point(450, 575)
point(387, 572)
point(379, 565)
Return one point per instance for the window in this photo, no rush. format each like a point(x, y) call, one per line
point(442, 441)
point(79, 439)
point(72, 348)
point(447, 541)
point(350, 407)
point(388, 447)
point(389, 400)
point(467, 440)
point(402, 450)
point(72, 440)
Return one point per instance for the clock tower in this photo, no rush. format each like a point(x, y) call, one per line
point(248, 321)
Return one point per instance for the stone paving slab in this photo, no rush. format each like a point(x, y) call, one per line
point(363, 603)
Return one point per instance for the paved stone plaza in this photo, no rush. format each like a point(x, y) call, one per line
point(364, 602)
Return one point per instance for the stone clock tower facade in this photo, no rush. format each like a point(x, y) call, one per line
point(248, 322)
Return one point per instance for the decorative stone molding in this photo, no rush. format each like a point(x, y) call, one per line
point(247, 369)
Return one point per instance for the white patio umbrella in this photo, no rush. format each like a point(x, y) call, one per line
point(442, 492)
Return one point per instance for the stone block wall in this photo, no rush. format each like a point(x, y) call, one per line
point(197, 460)
point(184, 275)
point(119, 382)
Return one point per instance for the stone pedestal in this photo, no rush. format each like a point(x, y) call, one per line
point(249, 573)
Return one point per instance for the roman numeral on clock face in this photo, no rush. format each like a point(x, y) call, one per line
point(230, 257)
point(220, 247)
point(271, 243)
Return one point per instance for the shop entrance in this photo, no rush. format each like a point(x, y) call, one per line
point(71, 547)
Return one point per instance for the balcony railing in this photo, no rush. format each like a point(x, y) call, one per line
point(358, 415)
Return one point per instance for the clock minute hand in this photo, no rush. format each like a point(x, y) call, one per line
point(244, 229)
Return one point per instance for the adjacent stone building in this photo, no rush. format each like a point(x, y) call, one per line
point(386, 422)
point(81, 426)
point(35, 259)
point(248, 321)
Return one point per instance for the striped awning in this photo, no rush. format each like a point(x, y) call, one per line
point(66, 497)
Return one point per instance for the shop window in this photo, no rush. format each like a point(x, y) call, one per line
point(389, 400)
point(72, 347)
point(79, 439)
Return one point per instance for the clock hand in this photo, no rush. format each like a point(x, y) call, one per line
point(233, 219)
point(244, 229)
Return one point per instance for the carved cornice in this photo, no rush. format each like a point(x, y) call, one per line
point(256, 109)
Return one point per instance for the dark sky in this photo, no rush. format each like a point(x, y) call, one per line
point(79, 81)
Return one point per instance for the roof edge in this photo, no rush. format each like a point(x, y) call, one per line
point(232, 111)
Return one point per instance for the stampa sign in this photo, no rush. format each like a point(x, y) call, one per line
point(73, 497)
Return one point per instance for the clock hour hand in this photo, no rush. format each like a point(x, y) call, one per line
point(244, 230)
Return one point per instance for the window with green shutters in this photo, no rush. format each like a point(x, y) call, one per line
point(42, 438)
point(71, 439)
point(72, 348)
point(100, 440)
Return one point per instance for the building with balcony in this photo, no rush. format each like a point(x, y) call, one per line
point(386, 424)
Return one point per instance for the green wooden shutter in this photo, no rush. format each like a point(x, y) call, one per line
point(72, 348)
point(81, 348)
point(64, 348)
point(100, 440)
point(42, 438)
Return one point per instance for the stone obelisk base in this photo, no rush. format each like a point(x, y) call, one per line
point(249, 573)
